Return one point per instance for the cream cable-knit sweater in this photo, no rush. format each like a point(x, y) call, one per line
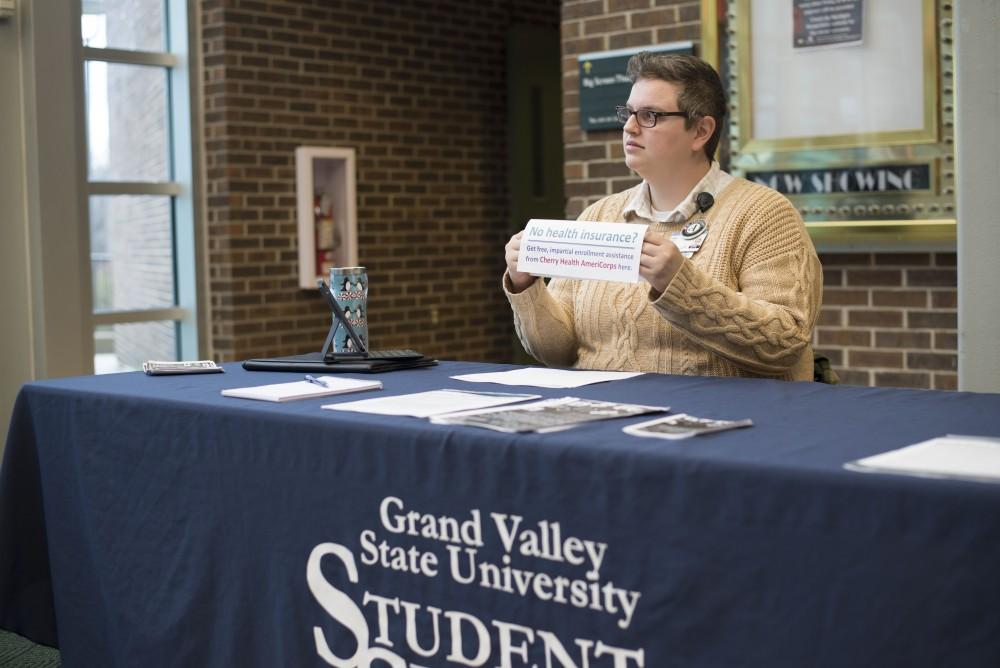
point(743, 305)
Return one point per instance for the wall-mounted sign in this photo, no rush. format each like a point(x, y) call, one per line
point(827, 22)
point(857, 179)
point(604, 85)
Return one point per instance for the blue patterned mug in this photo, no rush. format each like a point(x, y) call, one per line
point(349, 286)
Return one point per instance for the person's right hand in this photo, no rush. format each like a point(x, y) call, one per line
point(518, 280)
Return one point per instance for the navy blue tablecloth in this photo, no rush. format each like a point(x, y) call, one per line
point(149, 521)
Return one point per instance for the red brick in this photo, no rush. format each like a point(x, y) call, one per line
point(931, 277)
point(838, 297)
point(577, 10)
point(855, 377)
point(932, 361)
point(946, 381)
point(630, 39)
point(946, 340)
point(874, 358)
point(845, 337)
point(899, 298)
point(604, 25)
point(679, 33)
point(830, 317)
point(582, 45)
point(832, 277)
point(654, 19)
point(584, 152)
point(571, 29)
point(688, 13)
point(902, 339)
point(627, 5)
point(605, 170)
point(931, 320)
point(874, 277)
point(944, 299)
point(584, 188)
point(881, 318)
point(902, 379)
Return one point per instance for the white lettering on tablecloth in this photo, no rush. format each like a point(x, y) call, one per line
point(473, 642)
point(409, 542)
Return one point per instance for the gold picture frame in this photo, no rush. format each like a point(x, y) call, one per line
point(911, 218)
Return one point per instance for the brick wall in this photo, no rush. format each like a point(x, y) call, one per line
point(888, 318)
point(891, 318)
point(418, 89)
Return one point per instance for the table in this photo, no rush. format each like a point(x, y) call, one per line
point(148, 521)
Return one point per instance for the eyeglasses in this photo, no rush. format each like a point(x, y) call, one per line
point(645, 117)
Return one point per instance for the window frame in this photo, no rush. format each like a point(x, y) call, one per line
point(180, 63)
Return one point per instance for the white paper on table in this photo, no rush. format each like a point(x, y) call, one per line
point(433, 402)
point(582, 249)
point(552, 378)
point(967, 457)
point(325, 386)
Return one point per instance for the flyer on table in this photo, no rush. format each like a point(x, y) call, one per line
point(582, 249)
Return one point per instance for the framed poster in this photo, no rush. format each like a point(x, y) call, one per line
point(846, 107)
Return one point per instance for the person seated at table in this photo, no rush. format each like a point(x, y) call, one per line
point(740, 300)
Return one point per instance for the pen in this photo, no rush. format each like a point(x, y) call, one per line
point(316, 381)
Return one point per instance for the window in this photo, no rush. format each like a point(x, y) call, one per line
point(139, 182)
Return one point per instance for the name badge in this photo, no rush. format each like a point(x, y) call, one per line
point(690, 238)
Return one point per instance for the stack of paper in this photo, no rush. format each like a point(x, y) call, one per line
point(324, 386)
point(964, 457)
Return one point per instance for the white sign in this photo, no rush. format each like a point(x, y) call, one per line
point(582, 249)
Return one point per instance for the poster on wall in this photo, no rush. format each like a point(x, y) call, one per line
point(827, 23)
point(604, 83)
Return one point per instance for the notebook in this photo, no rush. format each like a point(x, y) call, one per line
point(323, 386)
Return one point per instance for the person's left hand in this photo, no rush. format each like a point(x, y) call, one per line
point(660, 261)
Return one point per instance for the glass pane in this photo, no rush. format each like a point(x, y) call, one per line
point(126, 347)
point(127, 122)
point(131, 252)
point(134, 25)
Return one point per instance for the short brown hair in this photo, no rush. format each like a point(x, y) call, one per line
point(701, 92)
